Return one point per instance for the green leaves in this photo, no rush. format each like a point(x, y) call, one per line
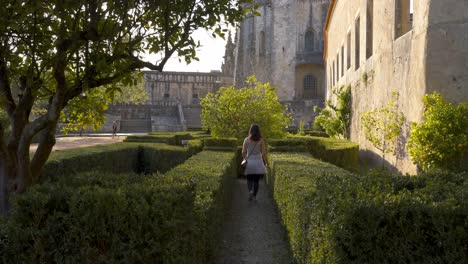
point(230, 112)
point(382, 126)
point(441, 140)
point(335, 119)
point(66, 48)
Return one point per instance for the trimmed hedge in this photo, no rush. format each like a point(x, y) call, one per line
point(314, 133)
point(109, 222)
point(334, 216)
point(342, 153)
point(221, 143)
point(117, 158)
point(99, 217)
point(171, 139)
point(213, 174)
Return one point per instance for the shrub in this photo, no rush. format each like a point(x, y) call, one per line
point(441, 140)
point(212, 173)
point(231, 111)
point(293, 186)
point(335, 119)
point(314, 133)
point(134, 223)
point(168, 138)
point(333, 216)
point(342, 153)
point(383, 126)
point(221, 143)
point(117, 158)
point(123, 218)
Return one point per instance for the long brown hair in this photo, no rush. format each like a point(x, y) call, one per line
point(254, 133)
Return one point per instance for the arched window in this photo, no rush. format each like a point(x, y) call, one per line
point(194, 92)
point(310, 87)
point(261, 44)
point(309, 40)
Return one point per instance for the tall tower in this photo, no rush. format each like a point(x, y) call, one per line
point(284, 46)
point(228, 65)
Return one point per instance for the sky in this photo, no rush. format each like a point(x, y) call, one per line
point(210, 53)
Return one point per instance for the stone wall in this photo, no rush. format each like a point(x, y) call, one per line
point(185, 87)
point(275, 48)
point(429, 57)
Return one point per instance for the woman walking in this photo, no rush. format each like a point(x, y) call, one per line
point(254, 152)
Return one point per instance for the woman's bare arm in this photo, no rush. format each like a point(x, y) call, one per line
point(264, 153)
point(244, 149)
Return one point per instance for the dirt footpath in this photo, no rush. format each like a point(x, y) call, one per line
point(253, 233)
point(79, 142)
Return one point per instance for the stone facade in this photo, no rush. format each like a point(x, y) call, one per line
point(383, 46)
point(173, 99)
point(284, 46)
point(176, 97)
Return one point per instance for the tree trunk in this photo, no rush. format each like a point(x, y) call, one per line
point(4, 206)
point(46, 143)
point(24, 169)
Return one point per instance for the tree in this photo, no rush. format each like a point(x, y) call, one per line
point(335, 119)
point(383, 126)
point(54, 51)
point(441, 140)
point(88, 110)
point(230, 112)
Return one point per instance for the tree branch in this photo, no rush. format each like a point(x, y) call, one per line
point(5, 89)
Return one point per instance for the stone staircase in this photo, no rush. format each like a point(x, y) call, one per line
point(166, 123)
point(192, 115)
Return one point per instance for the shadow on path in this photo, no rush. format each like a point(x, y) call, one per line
point(252, 230)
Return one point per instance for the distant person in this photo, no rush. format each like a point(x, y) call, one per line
point(254, 152)
point(114, 129)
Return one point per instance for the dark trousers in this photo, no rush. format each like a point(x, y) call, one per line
point(252, 182)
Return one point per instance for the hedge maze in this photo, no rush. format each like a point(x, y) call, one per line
point(151, 200)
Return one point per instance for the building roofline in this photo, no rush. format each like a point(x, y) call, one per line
point(215, 72)
point(327, 23)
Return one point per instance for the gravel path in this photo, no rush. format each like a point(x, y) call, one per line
point(253, 233)
point(79, 142)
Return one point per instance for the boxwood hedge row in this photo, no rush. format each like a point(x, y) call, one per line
point(342, 153)
point(212, 173)
point(100, 221)
point(172, 138)
point(99, 217)
point(334, 216)
point(118, 158)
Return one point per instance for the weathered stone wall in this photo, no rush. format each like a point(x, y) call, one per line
point(447, 49)
point(274, 47)
point(185, 87)
point(423, 60)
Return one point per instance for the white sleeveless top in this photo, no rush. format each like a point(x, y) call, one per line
point(254, 157)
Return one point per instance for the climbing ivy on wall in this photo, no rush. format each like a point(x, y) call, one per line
point(382, 126)
point(335, 118)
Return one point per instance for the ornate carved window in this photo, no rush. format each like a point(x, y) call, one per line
point(369, 28)
point(167, 88)
point(309, 40)
point(357, 42)
point(348, 51)
point(261, 44)
point(310, 87)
